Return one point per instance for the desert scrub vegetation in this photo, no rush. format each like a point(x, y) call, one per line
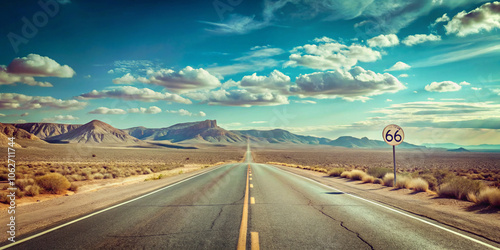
point(336, 172)
point(418, 185)
point(53, 183)
point(459, 188)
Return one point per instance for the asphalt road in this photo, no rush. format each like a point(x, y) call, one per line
point(284, 211)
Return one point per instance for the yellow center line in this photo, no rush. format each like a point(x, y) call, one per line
point(252, 200)
point(254, 236)
point(242, 240)
point(250, 178)
point(251, 185)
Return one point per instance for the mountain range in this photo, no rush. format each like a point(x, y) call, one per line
point(98, 132)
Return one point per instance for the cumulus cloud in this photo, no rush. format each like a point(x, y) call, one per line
point(183, 112)
point(60, 118)
point(323, 40)
point(133, 93)
point(354, 84)
point(24, 69)
point(239, 97)
point(20, 101)
point(399, 66)
point(332, 55)
point(445, 86)
point(420, 38)
point(443, 19)
point(275, 81)
point(403, 75)
point(483, 18)
point(381, 41)
point(126, 79)
point(107, 111)
point(182, 81)
point(150, 110)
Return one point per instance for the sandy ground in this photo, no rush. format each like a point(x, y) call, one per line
point(34, 213)
point(479, 220)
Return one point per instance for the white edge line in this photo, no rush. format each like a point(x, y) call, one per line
point(103, 210)
point(397, 211)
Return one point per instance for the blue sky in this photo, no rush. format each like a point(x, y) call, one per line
point(325, 68)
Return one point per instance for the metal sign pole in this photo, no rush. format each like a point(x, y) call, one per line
point(394, 160)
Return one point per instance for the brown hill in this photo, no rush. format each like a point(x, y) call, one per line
point(203, 131)
point(46, 130)
point(21, 135)
point(95, 132)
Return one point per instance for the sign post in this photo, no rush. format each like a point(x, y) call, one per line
point(393, 135)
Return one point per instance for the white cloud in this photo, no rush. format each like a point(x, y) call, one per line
point(355, 84)
point(388, 100)
point(111, 71)
point(443, 19)
point(24, 69)
point(323, 40)
point(474, 88)
point(445, 86)
point(133, 93)
point(305, 102)
point(275, 81)
point(332, 55)
point(20, 101)
point(483, 18)
point(60, 118)
point(464, 84)
point(182, 81)
point(126, 79)
point(251, 65)
point(260, 53)
point(150, 110)
point(239, 97)
point(459, 55)
point(237, 24)
point(403, 75)
point(399, 66)
point(259, 122)
point(381, 41)
point(108, 111)
point(420, 38)
point(183, 112)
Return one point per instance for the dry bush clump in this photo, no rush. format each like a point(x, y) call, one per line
point(33, 190)
point(346, 174)
point(357, 175)
point(53, 183)
point(388, 180)
point(418, 185)
point(368, 179)
point(378, 181)
point(378, 172)
point(490, 196)
point(459, 188)
point(402, 181)
point(335, 172)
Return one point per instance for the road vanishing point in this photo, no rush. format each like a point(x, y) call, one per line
point(250, 206)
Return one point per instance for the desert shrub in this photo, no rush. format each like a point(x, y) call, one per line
point(32, 190)
point(346, 174)
point(431, 181)
point(442, 176)
point(19, 193)
point(146, 171)
point(53, 183)
point(388, 180)
point(378, 181)
point(108, 176)
point(489, 196)
point(368, 179)
point(357, 175)
point(459, 188)
point(336, 172)
point(97, 176)
point(4, 177)
point(379, 172)
point(4, 198)
point(87, 175)
point(402, 181)
point(418, 185)
point(23, 183)
point(73, 187)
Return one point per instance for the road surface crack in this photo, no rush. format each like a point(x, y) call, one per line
point(217, 217)
point(345, 227)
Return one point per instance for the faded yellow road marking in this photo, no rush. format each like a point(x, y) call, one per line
point(254, 236)
point(242, 240)
point(250, 178)
point(252, 200)
point(251, 185)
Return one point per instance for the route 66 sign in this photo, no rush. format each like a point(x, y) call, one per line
point(393, 135)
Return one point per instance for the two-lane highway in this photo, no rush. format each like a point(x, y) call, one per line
point(258, 205)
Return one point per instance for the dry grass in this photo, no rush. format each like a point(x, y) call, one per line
point(33, 190)
point(418, 185)
point(379, 172)
point(388, 180)
point(459, 188)
point(335, 172)
point(402, 181)
point(53, 183)
point(368, 179)
point(357, 175)
point(489, 196)
point(346, 174)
